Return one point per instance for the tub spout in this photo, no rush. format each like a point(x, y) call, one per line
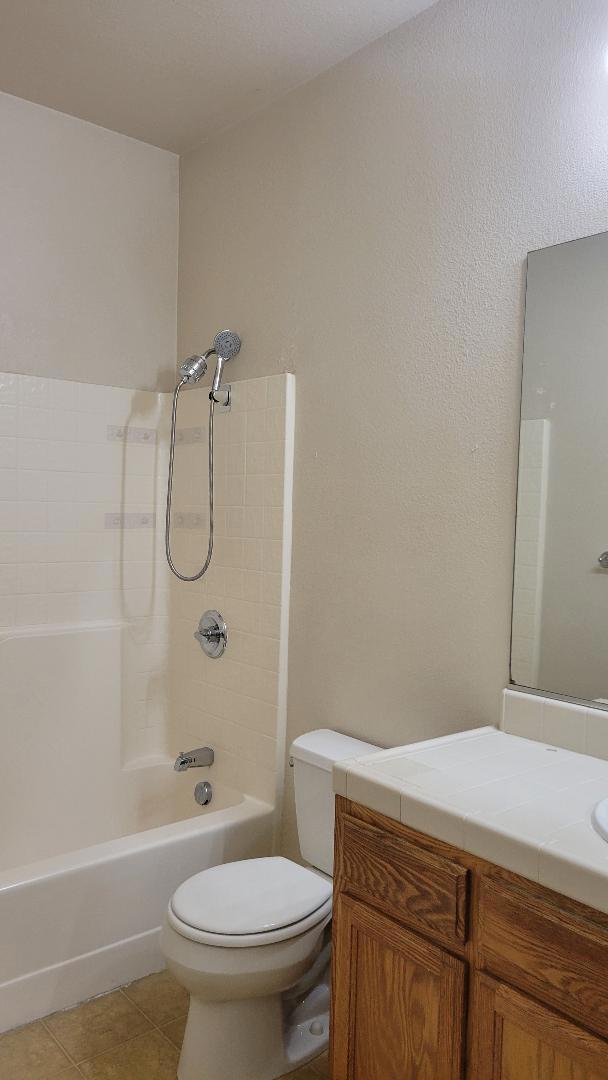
point(194, 759)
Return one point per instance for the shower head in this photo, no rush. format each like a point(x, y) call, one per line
point(226, 344)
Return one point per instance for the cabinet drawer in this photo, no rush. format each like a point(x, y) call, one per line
point(545, 951)
point(413, 885)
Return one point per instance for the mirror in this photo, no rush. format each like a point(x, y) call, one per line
point(560, 598)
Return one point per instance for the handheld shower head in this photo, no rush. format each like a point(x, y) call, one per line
point(226, 344)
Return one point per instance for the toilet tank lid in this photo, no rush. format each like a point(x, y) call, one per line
point(324, 747)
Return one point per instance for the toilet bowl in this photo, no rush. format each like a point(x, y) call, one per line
point(237, 937)
point(250, 942)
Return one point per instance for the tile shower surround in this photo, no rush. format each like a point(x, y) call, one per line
point(68, 555)
point(237, 704)
point(82, 488)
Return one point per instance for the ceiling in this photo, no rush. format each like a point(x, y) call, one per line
point(174, 72)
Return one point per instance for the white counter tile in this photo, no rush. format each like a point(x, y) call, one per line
point(516, 802)
point(433, 817)
point(575, 863)
point(522, 714)
point(385, 798)
point(564, 724)
point(516, 853)
point(492, 798)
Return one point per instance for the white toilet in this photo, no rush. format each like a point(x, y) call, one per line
point(250, 941)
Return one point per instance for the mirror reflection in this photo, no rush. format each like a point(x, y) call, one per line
point(560, 609)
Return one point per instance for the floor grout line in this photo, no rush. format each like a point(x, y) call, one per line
point(152, 1025)
point(157, 1027)
point(110, 1049)
point(72, 1061)
point(114, 1045)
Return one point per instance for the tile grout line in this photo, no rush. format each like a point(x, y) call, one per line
point(115, 1046)
point(72, 1061)
point(156, 1027)
point(111, 1049)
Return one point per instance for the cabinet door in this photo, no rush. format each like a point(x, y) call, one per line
point(398, 1001)
point(514, 1038)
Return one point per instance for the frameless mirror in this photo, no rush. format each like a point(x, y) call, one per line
point(560, 600)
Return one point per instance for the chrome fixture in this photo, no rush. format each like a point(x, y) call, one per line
point(203, 793)
point(603, 560)
point(194, 759)
point(212, 634)
point(226, 344)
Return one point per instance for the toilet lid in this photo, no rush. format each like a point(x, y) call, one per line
point(250, 897)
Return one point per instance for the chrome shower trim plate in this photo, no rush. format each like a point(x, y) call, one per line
point(212, 634)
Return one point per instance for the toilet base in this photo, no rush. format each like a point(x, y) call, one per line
point(234, 1040)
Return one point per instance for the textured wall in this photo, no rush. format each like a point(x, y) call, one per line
point(369, 233)
point(88, 251)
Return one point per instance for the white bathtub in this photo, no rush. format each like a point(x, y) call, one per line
point(81, 923)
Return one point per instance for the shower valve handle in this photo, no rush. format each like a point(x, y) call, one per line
point(212, 634)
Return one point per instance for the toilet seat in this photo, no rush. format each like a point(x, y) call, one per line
point(249, 903)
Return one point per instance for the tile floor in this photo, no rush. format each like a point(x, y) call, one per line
point(134, 1033)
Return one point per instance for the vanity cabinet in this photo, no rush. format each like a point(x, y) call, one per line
point(446, 967)
point(516, 1038)
point(400, 999)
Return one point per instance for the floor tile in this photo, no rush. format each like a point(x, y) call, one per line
point(160, 997)
point(175, 1031)
point(321, 1065)
point(97, 1025)
point(148, 1057)
point(30, 1053)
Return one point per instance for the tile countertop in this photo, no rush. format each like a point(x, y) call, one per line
point(523, 805)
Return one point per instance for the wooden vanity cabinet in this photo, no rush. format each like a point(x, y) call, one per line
point(446, 967)
point(400, 1000)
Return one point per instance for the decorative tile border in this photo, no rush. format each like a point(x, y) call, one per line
point(130, 521)
point(145, 436)
point(188, 436)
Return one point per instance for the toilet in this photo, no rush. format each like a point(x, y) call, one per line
point(250, 940)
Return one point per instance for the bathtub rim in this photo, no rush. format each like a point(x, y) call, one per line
point(69, 976)
point(121, 847)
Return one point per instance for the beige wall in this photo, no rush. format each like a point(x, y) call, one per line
point(369, 233)
point(88, 251)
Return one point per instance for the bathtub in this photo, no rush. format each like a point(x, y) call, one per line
point(78, 924)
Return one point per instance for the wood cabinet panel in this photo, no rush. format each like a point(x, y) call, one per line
point(530, 974)
point(546, 952)
point(398, 1001)
point(515, 1038)
point(424, 890)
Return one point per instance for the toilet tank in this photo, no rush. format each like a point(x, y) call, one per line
point(313, 756)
